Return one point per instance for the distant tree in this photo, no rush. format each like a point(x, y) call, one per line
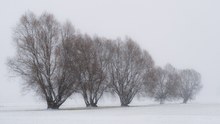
point(174, 82)
point(40, 58)
point(164, 85)
point(161, 89)
point(127, 68)
point(149, 83)
point(190, 84)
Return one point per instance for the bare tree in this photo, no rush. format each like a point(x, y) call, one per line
point(164, 84)
point(91, 59)
point(174, 82)
point(40, 58)
point(190, 84)
point(150, 84)
point(127, 68)
point(161, 90)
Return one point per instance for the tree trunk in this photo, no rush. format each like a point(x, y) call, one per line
point(185, 101)
point(161, 101)
point(124, 105)
point(124, 102)
point(52, 105)
point(91, 104)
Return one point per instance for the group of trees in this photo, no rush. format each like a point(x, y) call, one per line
point(171, 84)
point(57, 61)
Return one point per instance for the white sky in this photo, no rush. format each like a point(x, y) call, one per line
point(185, 33)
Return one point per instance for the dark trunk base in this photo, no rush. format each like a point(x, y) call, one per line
point(124, 105)
point(185, 101)
point(52, 106)
point(91, 105)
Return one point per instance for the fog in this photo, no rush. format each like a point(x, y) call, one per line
point(183, 33)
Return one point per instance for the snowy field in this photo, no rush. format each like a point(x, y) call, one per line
point(149, 114)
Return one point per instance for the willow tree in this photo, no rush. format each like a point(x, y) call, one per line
point(166, 84)
point(90, 60)
point(127, 69)
point(40, 61)
point(190, 84)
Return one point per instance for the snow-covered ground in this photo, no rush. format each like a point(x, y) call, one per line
point(148, 114)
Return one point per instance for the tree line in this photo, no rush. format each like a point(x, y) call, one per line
point(56, 61)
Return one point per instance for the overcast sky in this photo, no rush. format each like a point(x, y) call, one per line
point(185, 33)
